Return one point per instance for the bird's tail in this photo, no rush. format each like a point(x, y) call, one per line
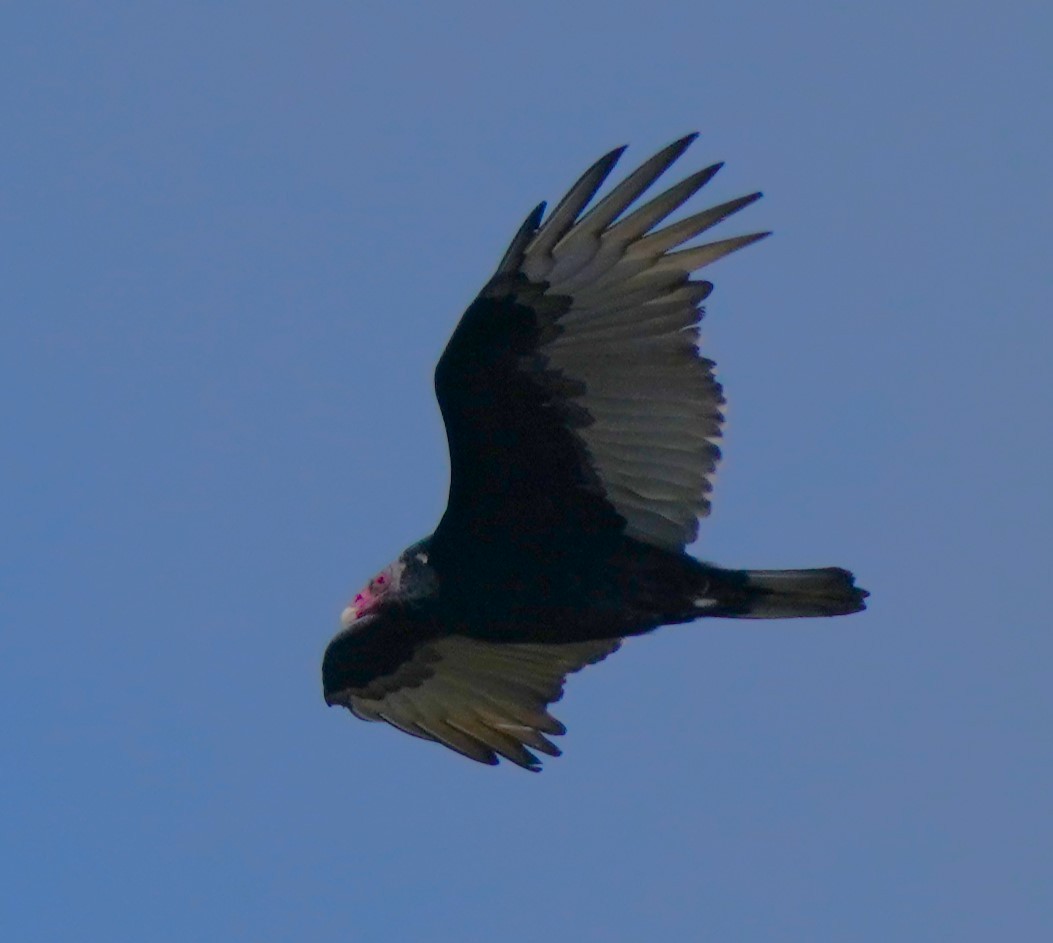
point(782, 594)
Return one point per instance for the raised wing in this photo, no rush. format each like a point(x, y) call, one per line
point(482, 699)
point(572, 389)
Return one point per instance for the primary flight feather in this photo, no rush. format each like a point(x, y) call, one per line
point(582, 424)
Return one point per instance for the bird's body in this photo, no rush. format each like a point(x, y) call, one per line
point(582, 424)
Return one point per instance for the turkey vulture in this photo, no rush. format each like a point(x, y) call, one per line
point(582, 427)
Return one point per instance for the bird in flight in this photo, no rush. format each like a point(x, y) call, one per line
point(582, 425)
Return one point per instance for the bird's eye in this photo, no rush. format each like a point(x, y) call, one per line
point(381, 580)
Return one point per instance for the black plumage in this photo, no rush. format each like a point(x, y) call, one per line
point(582, 425)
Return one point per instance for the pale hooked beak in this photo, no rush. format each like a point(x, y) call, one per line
point(365, 601)
point(357, 616)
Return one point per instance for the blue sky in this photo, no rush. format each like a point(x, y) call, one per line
point(236, 237)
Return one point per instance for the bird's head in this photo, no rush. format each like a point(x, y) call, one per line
point(407, 579)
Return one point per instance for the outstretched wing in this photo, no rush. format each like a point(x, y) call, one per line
point(482, 699)
point(572, 390)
